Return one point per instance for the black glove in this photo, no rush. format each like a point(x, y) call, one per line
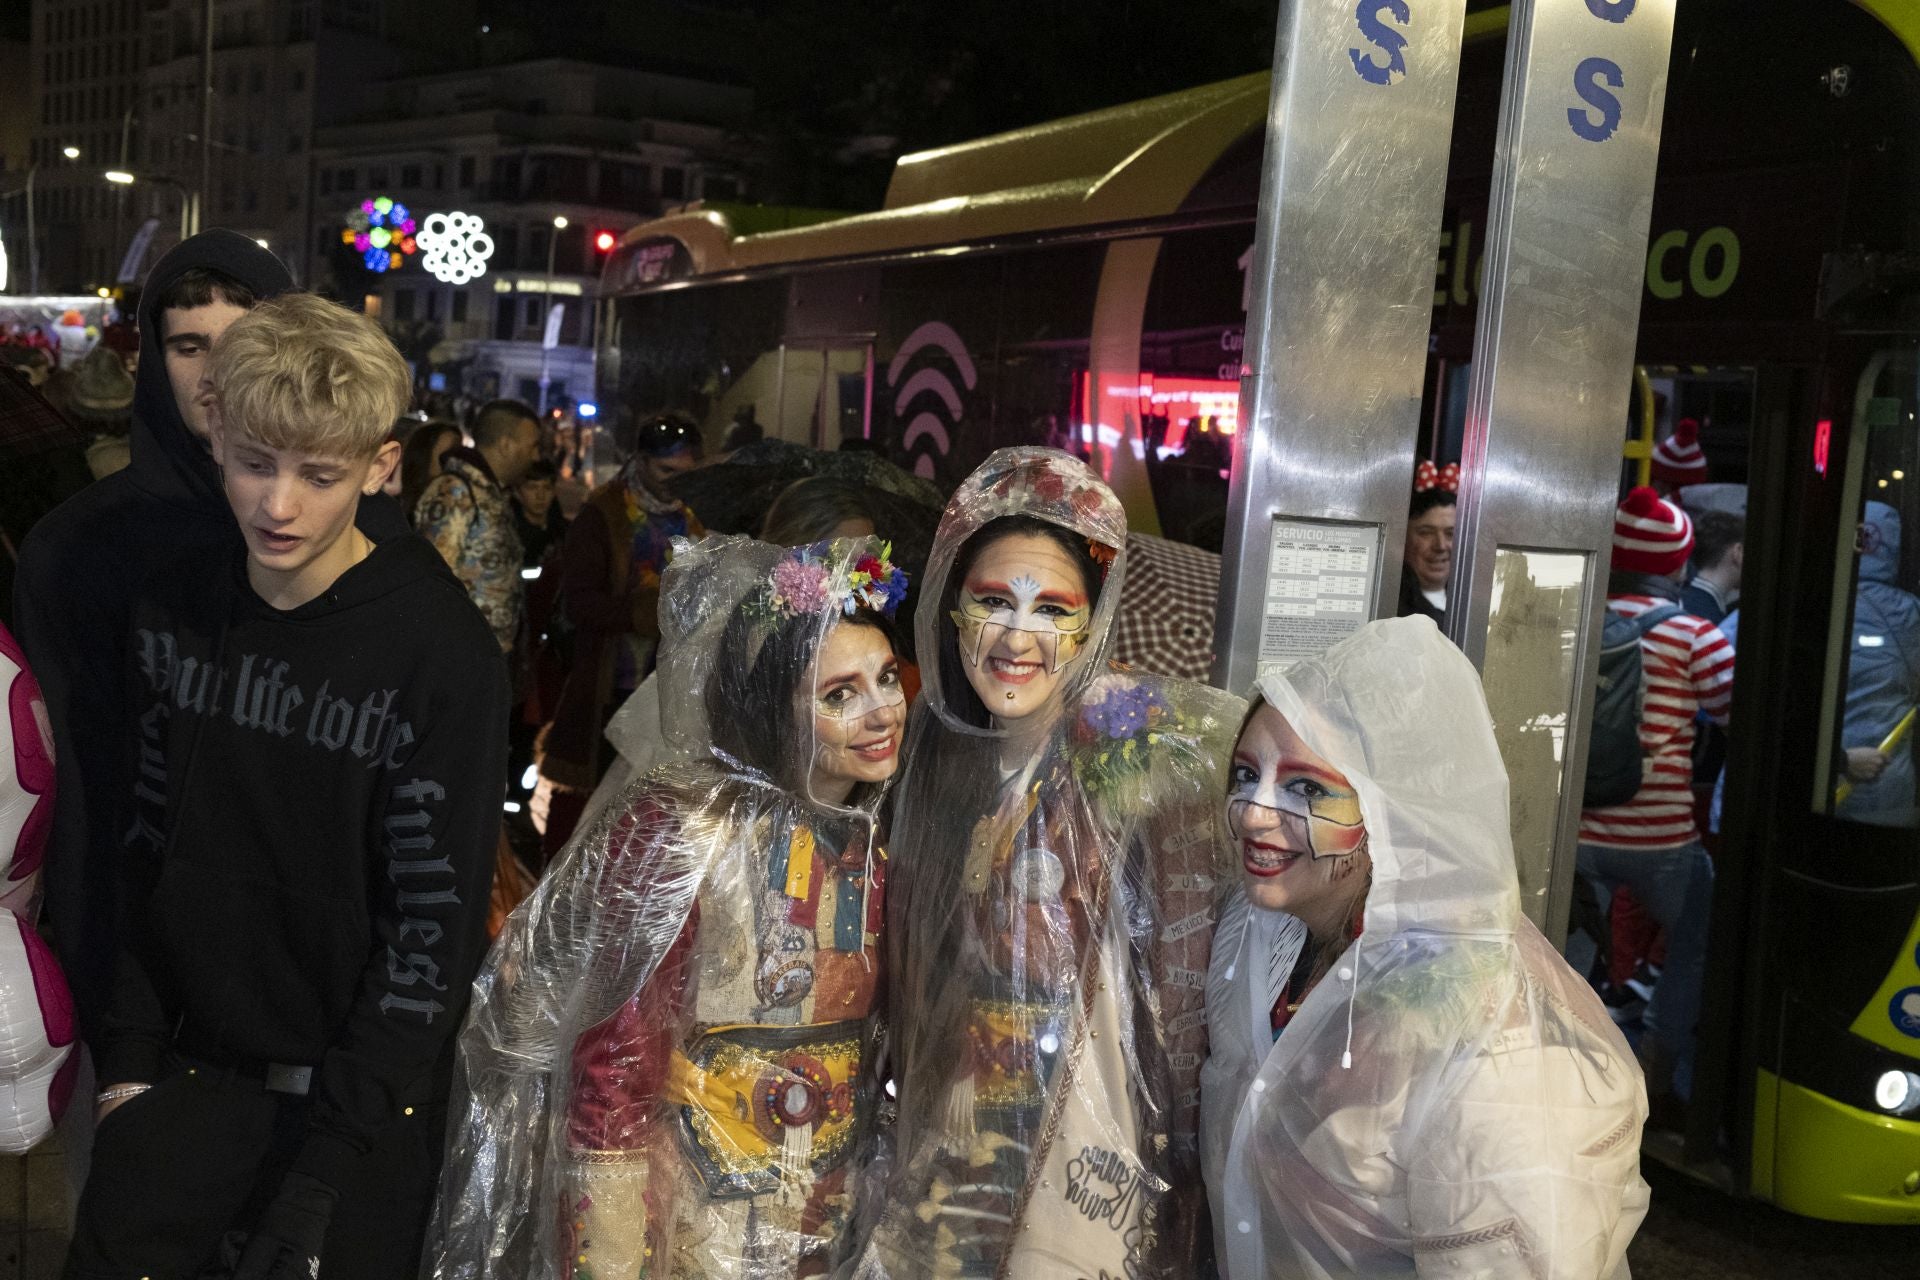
point(285, 1244)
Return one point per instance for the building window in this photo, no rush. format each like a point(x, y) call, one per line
point(377, 176)
point(466, 172)
point(433, 304)
point(295, 143)
point(403, 304)
point(459, 306)
point(298, 80)
point(673, 182)
point(293, 199)
point(253, 200)
point(410, 176)
point(439, 177)
point(530, 310)
point(257, 81)
point(345, 179)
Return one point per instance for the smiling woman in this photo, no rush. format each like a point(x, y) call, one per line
point(666, 1068)
point(1058, 848)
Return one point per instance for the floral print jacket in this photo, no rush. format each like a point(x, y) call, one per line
point(468, 517)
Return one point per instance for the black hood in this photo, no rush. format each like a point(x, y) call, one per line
point(168, 462)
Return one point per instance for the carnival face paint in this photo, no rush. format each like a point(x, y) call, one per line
point(1023, 617)
point(856, 706)
point(1296, 820)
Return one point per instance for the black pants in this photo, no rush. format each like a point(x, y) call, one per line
point(201, 1153)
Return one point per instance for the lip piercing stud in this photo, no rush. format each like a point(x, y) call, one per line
point(1009, 695)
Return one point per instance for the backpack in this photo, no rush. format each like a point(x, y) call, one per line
point(1614, 753)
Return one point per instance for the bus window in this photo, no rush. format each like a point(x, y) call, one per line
point(1191, 341)
point(707, 351)
point(1867, 774)
point(975, 353)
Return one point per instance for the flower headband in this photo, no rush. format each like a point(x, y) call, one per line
point(810, 579)
point(1426, 477)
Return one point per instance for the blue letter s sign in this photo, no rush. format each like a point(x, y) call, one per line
point(1383, 37)
point(1587, 79)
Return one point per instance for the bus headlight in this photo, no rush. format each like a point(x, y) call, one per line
point(1894, 1090)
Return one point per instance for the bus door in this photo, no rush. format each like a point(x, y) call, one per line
point(1811, 1012)
point(825, 391)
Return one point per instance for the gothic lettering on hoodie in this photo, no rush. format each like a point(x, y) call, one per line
point(420, 882)
point(264, 700)
point(259, 695)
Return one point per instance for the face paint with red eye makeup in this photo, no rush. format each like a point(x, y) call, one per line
point(1058, 621)
point(1314, 811)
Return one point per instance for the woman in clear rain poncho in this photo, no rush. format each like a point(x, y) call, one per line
point(1405, 1077)
point(667, 1062)
point(1057, 837)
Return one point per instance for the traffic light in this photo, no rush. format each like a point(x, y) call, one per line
point(603, 241)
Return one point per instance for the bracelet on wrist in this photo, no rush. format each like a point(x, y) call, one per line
point(119, 1093)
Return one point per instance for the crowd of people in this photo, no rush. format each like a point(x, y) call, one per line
point(880, 925)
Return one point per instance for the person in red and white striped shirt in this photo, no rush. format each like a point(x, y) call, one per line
point(1650, 844)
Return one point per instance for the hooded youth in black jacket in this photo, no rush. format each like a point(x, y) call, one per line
point(310, 841)
point(79, 570)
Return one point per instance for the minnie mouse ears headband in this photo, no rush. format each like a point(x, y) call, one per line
point(1427, 477)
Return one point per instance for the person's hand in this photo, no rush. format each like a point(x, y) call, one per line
point(285, 1244)
point(1864, 764)
point(114, 1097)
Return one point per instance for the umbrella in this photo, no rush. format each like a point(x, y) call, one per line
point(732, 496)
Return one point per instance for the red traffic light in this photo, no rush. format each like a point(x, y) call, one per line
point(603, 241)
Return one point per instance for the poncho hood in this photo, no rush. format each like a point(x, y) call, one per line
point(169, 462)
point(1400, 712)
point(1041, 484)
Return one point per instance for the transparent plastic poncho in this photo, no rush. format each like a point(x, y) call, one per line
point(667, 1067)
point(1054, 884)
point(1451, 1099)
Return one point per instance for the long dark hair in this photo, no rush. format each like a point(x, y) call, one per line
point(750, 697)
point(416, 462)
point(955, 688)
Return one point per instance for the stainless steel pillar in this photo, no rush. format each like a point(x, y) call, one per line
point(1350, 208)
point(1547, 410)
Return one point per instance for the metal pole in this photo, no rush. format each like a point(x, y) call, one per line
point(33, 236)
point(206, 111)
point(553, 242)
point(1547, 408)
point(1351, 195)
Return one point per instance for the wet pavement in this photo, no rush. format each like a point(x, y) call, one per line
point(1696, 1232)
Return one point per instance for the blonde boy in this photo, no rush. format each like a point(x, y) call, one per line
point(320, 729)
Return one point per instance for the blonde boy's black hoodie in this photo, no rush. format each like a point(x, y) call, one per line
point(309, 837)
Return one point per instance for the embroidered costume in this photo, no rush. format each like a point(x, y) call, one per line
point(1451, 1099)
point(1051, 908)
point(668, 1064)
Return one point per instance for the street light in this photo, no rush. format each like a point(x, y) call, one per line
point(125, 177)
point(560, 222)
point(71, 152)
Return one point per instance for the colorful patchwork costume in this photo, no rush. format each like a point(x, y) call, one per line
point(667, 1070)
point(1051, 911)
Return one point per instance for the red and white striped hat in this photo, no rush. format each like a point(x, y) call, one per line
point(1677, 460)
point(1650, 534)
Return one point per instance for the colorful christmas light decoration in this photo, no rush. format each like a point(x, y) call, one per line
point(383, 232)
point(456, 245)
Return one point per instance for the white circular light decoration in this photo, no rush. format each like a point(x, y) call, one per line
point(1891, 1090)
point(455, 246)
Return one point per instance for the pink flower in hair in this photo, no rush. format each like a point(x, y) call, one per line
point(800, 586)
